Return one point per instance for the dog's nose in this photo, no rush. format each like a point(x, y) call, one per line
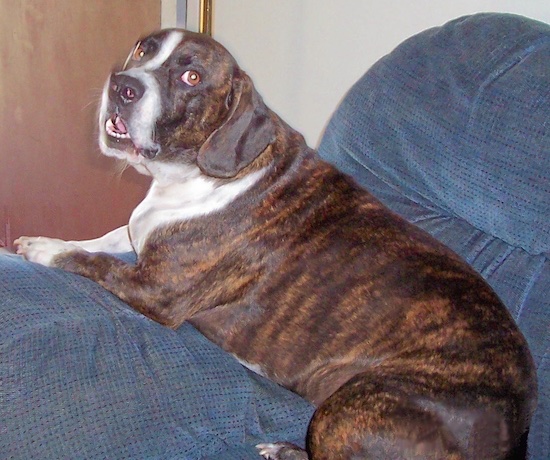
point(125, 89)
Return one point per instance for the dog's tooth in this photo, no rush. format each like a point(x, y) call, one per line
point(119, 125)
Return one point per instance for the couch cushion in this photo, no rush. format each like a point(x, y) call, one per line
point(84, 376)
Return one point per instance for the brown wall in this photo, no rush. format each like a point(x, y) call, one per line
point(54, 58)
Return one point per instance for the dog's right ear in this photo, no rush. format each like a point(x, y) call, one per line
point(245, 133)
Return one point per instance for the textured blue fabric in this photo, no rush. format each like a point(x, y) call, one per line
point(452, 131)
point(82, 376)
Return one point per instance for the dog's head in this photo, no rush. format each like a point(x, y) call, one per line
point(181, 98)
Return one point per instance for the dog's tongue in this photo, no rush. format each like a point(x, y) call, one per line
point(119, 125)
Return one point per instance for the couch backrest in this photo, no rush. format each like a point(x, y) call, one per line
point(474, 135)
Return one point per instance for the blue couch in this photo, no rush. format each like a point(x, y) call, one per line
point(451, 130)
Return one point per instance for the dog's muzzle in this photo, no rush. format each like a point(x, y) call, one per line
point(127, 96)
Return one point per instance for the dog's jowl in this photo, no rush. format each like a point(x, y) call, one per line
point(290, 266)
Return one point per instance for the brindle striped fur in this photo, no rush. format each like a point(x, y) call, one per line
point(405, 349)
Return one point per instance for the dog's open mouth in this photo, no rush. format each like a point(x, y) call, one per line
point(117, 132)
point(115, 127)
point(119, 138)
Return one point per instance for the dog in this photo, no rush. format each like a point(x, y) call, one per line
point(302, 275)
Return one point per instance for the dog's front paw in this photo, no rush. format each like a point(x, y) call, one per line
point(281, 451)
point(42, 250)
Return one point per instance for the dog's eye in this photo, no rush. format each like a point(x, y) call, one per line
point(191, 78)
point(138, 53)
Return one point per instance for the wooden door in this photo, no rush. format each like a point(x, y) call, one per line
point(54, 58)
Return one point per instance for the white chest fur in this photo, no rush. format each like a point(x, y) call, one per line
point(174, 202)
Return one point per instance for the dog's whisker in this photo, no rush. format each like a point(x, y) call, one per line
point(120, 167)
point(88, 104)
point(95, 96)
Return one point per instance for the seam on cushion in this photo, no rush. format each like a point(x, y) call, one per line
point(428, 219)
point(496, 263)
point(500, 260)
point(534, 276)
point(477, 247)
point(434, 208)
point(496, 74)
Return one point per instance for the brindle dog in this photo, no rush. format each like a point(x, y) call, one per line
point(289, 265)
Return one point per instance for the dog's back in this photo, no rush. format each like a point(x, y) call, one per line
point(365, 315)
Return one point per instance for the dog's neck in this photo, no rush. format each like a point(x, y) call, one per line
point(177, 194)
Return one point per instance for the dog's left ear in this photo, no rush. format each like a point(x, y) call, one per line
point(246, 132)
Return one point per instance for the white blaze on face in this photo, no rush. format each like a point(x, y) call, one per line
point(172, 40)
point(146, 111)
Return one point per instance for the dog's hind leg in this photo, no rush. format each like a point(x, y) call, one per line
point(373, 416)
point(365, 419)
point(378, 416)
point(376, 420)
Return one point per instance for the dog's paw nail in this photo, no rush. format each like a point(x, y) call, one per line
point(40, 249)
point(281, 451)
point(265, 450)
